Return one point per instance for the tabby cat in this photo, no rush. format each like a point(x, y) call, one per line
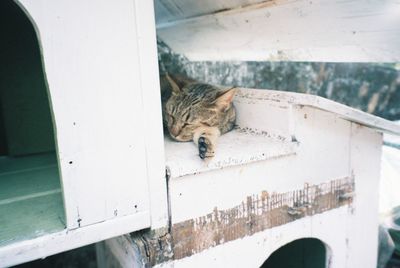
point(197, 111)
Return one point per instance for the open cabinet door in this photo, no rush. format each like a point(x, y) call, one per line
point(92, 65)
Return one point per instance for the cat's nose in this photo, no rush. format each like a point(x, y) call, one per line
point(175, 131)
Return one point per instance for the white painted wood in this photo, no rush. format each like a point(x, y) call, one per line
point(91, 61)
point(330, 146)
point(251, 104)
point(316, 159)
point(284, 98)
point(271, 113)
point(68, 239)
point(318, 126)
point(153, 130)
point(365, 157)
point(287, 30)
point(172, 10)
point(237, 147)
point(252, 251)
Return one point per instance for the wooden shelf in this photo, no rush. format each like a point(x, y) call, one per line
point(237, 147)
point(31, 202)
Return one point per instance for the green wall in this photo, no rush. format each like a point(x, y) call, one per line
point(25, 111)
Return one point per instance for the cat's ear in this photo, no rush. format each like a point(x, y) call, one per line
point(175, 88)
point(224, 98)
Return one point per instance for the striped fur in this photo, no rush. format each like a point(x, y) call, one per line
point(197, 111)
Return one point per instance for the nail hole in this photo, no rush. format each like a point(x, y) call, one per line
point(70, 162)
point(135, 206)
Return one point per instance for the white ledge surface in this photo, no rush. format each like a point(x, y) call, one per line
point(237, 147)
point(292, 98)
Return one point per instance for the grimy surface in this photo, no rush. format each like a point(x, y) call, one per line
point(258, 213)
point(255, 214)
point(30, 197)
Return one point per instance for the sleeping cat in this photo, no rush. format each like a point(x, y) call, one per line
point(197, 111)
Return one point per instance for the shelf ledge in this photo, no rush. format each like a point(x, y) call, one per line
point(237, 147)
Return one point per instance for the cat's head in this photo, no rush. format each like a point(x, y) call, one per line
point(195, 105)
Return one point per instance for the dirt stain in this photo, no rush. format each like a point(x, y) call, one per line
point(257, 213)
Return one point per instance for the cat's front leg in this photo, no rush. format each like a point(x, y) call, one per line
point(206, 140)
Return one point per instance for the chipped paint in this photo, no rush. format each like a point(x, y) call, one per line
point(257, 213)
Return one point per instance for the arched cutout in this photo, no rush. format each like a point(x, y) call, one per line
point(31, 201)
point(301, 253)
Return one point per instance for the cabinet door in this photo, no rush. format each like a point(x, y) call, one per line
point(91, 59)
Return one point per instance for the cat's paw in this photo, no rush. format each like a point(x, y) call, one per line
point(206, 148)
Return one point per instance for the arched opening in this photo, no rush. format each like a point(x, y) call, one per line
point(301, 253)
point(31, 201)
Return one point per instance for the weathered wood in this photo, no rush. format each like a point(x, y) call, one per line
point(287, 30)
point(221, 226)
point(318, 128)
point(238, 214)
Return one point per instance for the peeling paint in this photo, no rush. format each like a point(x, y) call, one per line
point(257, 213)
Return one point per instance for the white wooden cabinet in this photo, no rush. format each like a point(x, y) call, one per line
point(100, 64)
point(298, 166)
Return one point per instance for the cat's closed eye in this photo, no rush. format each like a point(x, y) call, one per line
point(198, 112)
